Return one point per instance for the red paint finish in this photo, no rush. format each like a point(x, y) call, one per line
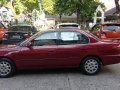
point(2, 31)
point(58, 56)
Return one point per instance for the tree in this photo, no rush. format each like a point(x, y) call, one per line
point(84, 8)
point(20, 6)
point(48, 6)
point(4, 2)
point(117, 5)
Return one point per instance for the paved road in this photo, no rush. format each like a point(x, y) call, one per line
point(107, 79)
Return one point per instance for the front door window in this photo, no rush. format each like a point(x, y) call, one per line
point(45, 39)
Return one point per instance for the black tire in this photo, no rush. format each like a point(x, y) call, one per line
point(7, 68)
point(90, 65)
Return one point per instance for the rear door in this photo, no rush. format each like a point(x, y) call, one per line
point(71, 48)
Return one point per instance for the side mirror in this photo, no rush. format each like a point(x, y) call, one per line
point(28, 44)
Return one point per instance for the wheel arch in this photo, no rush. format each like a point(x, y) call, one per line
point(10, 60)
point(91, 56)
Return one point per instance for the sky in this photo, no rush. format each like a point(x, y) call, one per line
point(108, 3)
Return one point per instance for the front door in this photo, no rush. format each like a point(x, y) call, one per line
point(42, 53)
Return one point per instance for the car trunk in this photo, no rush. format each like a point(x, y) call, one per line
point(112, 31)
point(16, 35)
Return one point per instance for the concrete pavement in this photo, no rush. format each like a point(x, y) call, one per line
point(71, 79)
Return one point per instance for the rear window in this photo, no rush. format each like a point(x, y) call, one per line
point(112, 27)
point(68, 26)
point(22, 28)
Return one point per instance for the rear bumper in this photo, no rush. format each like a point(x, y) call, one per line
point(111, 59)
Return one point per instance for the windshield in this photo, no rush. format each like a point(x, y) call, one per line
point(28, 39)
point(69, 26)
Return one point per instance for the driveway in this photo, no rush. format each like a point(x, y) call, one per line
point(71, 79)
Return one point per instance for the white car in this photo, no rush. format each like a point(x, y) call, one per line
point(68, 25)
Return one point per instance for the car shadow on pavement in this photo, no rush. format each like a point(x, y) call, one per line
point(105, 70)
point(49, 71)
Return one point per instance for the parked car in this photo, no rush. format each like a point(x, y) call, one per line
point(68, 25)
point(107, 31)
point(18, 33)
point(59, 49)
point(2, 31)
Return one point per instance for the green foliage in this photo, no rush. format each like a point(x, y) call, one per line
point(18, 6)
point(48, 6)
point(84, 8)
point(4, 2)
point(30, 5)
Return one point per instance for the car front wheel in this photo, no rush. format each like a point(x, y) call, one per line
point(7, 68)
point(91, 65)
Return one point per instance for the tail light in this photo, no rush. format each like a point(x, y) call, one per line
point(103, 36)
point(27, 35)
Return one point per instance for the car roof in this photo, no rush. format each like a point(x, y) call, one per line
point(110, 23)
point(21, 25)
point(67, 24)
point(66, 29)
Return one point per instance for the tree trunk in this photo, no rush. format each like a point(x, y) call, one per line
point(10, 5)
point(78, 14)
point(60, 18)
point(117, 5)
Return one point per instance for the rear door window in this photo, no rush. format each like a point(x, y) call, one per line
point(67, 38)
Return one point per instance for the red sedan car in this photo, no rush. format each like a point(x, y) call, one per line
point(59, 49)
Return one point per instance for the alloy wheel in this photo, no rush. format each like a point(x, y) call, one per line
point(5, 68)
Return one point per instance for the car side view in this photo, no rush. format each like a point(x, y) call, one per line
point(59, 49)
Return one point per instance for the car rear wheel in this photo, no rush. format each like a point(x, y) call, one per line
point(7, 68)
point(91, 65)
